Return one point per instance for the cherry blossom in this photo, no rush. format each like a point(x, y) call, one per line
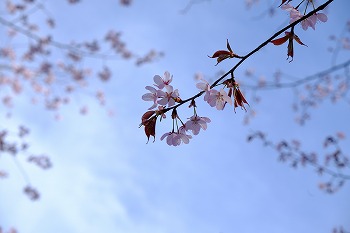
point(309, 22)
point(196, 123)
point(218, 99)
point(204, 86)
point(163, 95)
point(175, 138)
point(169, 97)
point(312, 20)
point(163, 82)
point(152, 96)
point(294, 14)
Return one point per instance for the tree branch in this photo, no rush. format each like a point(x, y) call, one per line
point(321, 7)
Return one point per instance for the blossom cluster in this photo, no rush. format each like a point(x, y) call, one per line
point(162, 93)
point(296, 15)
point(220, 98)
point(164, 97)
point(308, 22)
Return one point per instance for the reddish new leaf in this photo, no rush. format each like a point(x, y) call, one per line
point(280, 41)
point(224, 54)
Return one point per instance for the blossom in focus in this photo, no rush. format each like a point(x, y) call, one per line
point(175, 138)
point(196, 123)
point(169, 97)
point(218, 99)
point(152, 96)
point(204, 86)
point(221, 55)
point(289, 36)
point(160, 82)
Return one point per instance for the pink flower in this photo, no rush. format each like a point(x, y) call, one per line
point(175, 138)
point(293, 13)
point(169, 97)
point(196, 123)
point(312, 20)
point(204, 86)
point(163, 82)
point(152, 96)
point(218, 99)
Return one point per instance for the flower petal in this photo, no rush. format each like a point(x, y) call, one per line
point(322, 17)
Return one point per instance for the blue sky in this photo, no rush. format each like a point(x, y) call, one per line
point(106, 178)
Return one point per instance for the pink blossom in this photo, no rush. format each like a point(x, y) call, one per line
point(322, 17)
point(175, 138)
point(163, 82)
point(312, 20)
point(196, 123)
point(204, 86)
point(152, 96)
point(293, 13)
point(169, 97)
point(218, 99)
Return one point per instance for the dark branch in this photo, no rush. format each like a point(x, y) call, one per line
point(321, 7)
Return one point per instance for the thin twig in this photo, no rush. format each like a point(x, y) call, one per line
point(300, 81)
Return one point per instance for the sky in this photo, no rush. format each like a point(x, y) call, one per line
point(105, 178)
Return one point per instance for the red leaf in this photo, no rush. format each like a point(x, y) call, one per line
point(149, 123)
point(220, 53)
point(297, 39)
point(280, 41)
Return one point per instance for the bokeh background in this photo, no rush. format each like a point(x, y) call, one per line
point(105, 178)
